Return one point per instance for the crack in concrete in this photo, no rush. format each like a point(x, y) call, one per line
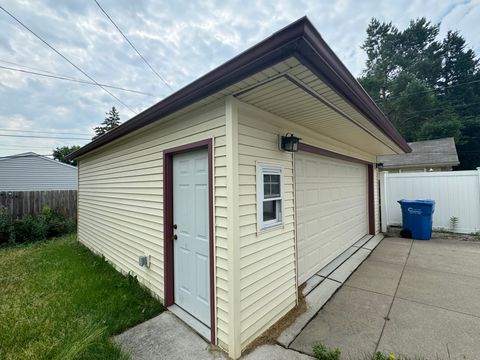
point(393, 299)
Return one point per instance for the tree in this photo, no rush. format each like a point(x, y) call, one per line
point(61, 153)
point(428, 88)
point(112, 120)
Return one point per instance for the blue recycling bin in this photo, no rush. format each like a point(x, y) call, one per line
point(417, 217)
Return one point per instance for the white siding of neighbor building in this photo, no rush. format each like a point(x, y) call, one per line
point(36, 173)
point(268, 284)
point(120, 204)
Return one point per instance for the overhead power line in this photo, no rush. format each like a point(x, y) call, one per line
point(45, 132)
point(20, 155)
point(18, 147)
point(133, 46)
point(65, 58)
point(44, 137)
point(66, 78)
point(13, 149)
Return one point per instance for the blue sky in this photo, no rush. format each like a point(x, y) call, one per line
point(181, 39)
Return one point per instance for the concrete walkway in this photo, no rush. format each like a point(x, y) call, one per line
point(420, 299)
point(166, 337)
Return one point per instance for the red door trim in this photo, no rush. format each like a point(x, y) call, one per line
point(323, 152)
point(370, 186)
point(168, 223)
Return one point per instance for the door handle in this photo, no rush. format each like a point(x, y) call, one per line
point(175, 226)
point(175, 237)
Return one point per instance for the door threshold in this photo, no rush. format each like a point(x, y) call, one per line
point(199, 327)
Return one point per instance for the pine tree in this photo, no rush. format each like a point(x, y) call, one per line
point(112, 120)
point(428, 87)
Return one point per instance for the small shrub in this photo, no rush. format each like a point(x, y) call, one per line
point(453, 223)
point(35, 227)
point(57, 223)
point(29, 229)
point(322, 352)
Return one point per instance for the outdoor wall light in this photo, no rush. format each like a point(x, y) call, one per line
point(289, 143)
point(379, 165)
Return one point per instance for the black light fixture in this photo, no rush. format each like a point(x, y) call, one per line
point(379, 166)
point(289, 142)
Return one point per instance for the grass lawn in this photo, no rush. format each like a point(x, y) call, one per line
point(59, 301)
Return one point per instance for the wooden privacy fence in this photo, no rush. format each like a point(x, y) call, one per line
point(20, 203)
point(456, 195)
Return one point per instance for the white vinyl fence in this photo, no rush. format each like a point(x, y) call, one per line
point(456, 195)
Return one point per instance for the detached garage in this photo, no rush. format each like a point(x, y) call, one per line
point(212, 203)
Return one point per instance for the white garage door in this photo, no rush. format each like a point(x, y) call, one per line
point(332, 209)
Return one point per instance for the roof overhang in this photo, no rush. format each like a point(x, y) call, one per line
point(299, 40)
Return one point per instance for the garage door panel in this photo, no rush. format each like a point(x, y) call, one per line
point(331, 204)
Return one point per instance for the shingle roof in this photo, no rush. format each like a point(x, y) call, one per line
point(426, 153)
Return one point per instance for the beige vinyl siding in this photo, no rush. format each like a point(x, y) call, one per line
point(121, 199)
point(267, 260)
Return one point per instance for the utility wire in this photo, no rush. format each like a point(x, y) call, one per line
point(28, 67)
point(65, 58)
point(21, 155)
point(133, 46)
point(1, 148)
point(66, 78)
point(44, 137)
point(19, 147)
point(45, 132)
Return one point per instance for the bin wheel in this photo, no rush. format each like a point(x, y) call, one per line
point(405, 233)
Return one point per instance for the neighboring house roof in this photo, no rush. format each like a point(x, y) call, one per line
point(300, 40)
point(439, 152)
point(32, 172)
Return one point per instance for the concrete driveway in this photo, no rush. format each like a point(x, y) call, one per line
point(419, 299)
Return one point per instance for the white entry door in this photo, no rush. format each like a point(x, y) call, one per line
point(191, 247)
point(332, 209)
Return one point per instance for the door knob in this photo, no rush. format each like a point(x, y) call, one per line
point(175, 226)
point(175, 237)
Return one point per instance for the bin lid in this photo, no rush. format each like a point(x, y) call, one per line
point(419, 202)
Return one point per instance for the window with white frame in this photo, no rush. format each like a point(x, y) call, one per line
point(270, 199)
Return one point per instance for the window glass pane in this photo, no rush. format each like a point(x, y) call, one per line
point(271, 186)
point(275, 190)
point(269, 210)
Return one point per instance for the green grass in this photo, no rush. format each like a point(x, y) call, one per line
point(59, 301)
